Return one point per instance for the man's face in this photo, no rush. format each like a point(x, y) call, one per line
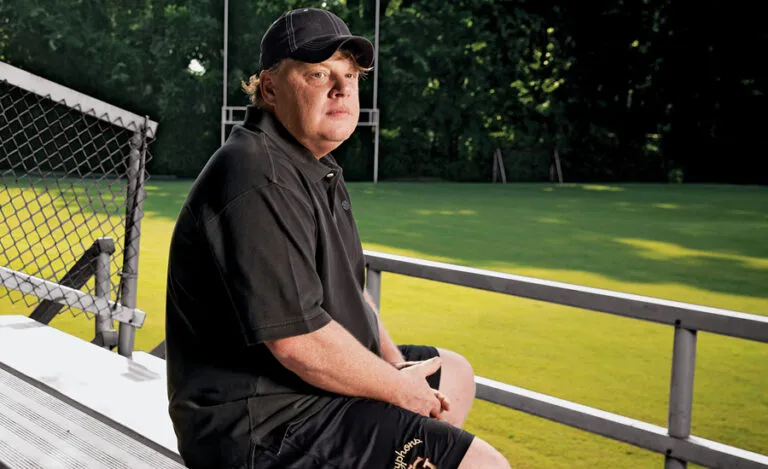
point(318, 103)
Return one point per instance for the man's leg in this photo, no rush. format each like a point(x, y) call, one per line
point(481, 455)
point(363, 433)
point(455, 379)
point(457, 382)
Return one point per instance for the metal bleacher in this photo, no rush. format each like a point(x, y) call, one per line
point(72, 173)
point(46, 375)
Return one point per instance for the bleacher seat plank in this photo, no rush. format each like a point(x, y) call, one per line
point(40, 430)
point(119, 393)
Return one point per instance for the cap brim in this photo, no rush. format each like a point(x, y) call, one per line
point(320, 49)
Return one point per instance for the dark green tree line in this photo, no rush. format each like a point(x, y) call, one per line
point(645, 90)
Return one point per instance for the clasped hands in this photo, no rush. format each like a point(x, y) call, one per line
point(428, 402)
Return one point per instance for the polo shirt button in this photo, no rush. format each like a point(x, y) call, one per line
point(345, 205)
point(329, 175)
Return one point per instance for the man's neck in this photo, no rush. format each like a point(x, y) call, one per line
point(318, 149)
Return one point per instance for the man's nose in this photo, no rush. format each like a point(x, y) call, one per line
point(342, 88)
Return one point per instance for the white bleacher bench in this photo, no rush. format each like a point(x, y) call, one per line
point(66, 403)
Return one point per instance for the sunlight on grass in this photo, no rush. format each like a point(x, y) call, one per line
point(46, 228)
point(555, 221)
point(666, 206)
point(444, 212)
point(597, 187)
point(666, 251)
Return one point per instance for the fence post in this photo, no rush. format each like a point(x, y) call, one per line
point(681, 390)
point(373, 285)
point(105, 334)
point(133, 216)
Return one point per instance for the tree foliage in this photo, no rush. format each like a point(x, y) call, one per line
point(644, 90)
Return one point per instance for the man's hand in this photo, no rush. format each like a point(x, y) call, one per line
point(346, 367)
point(445, 403)
point(401, 365)
point(416, 395)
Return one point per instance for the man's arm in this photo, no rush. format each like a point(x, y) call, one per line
point(332, 359)
point(389, 350)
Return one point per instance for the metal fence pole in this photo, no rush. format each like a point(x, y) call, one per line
point(105, 332)
point(681, 390)
point(134, 214)
point(373, 285)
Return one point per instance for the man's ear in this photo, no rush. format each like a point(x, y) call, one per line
point(267, 84)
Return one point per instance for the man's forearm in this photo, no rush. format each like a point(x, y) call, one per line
point(344, 366)
point(389, 350)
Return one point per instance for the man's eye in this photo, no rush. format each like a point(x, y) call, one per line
point(318, 75)
point(352, 75)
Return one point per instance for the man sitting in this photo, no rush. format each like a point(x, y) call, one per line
point(276, 356)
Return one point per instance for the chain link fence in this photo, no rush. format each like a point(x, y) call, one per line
point(72, 174)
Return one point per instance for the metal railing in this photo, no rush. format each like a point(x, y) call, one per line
point(72, 171)
point(231, 115)
point(675, 442)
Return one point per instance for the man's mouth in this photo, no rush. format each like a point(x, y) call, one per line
point(338, 112)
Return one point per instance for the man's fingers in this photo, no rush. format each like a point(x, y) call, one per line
point(445, 403)
point(437, 410)
point(401, 365)
point(428, 367)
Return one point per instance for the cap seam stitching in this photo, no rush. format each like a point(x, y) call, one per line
point(292, 35)
point(333, 23)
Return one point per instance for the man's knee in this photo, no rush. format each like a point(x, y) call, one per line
point(457, 381)
point(481, 455)
point(458, 365)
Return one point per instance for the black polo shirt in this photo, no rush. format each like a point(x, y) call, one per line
point(265, 247)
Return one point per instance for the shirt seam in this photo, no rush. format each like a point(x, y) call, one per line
point(304, 318)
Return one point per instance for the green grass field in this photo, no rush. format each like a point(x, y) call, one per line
point(699, 244)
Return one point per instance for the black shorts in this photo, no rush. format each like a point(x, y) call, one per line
point(356, 433)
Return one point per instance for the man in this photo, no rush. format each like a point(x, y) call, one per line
point(276, 357)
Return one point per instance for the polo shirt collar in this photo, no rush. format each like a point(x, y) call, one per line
point(313, 169)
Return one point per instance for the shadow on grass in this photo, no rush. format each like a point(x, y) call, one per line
point(165, 198)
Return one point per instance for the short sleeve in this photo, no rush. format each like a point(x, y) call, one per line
point(264, 243)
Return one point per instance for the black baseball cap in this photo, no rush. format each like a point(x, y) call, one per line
point(311, 35)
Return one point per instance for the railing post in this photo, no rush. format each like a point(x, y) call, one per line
point(106, 336)
point(134, 197)
point(681, 390)
point(373, 285)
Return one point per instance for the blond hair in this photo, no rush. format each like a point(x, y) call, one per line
point(253, 87)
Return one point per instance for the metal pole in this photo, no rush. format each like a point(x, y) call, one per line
point(224, 84)
point(134, 214)
point(375, 99)
point(681, 390)
point(104, 323)
point(376, 149)
point(373, 285)
point(223, 125)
